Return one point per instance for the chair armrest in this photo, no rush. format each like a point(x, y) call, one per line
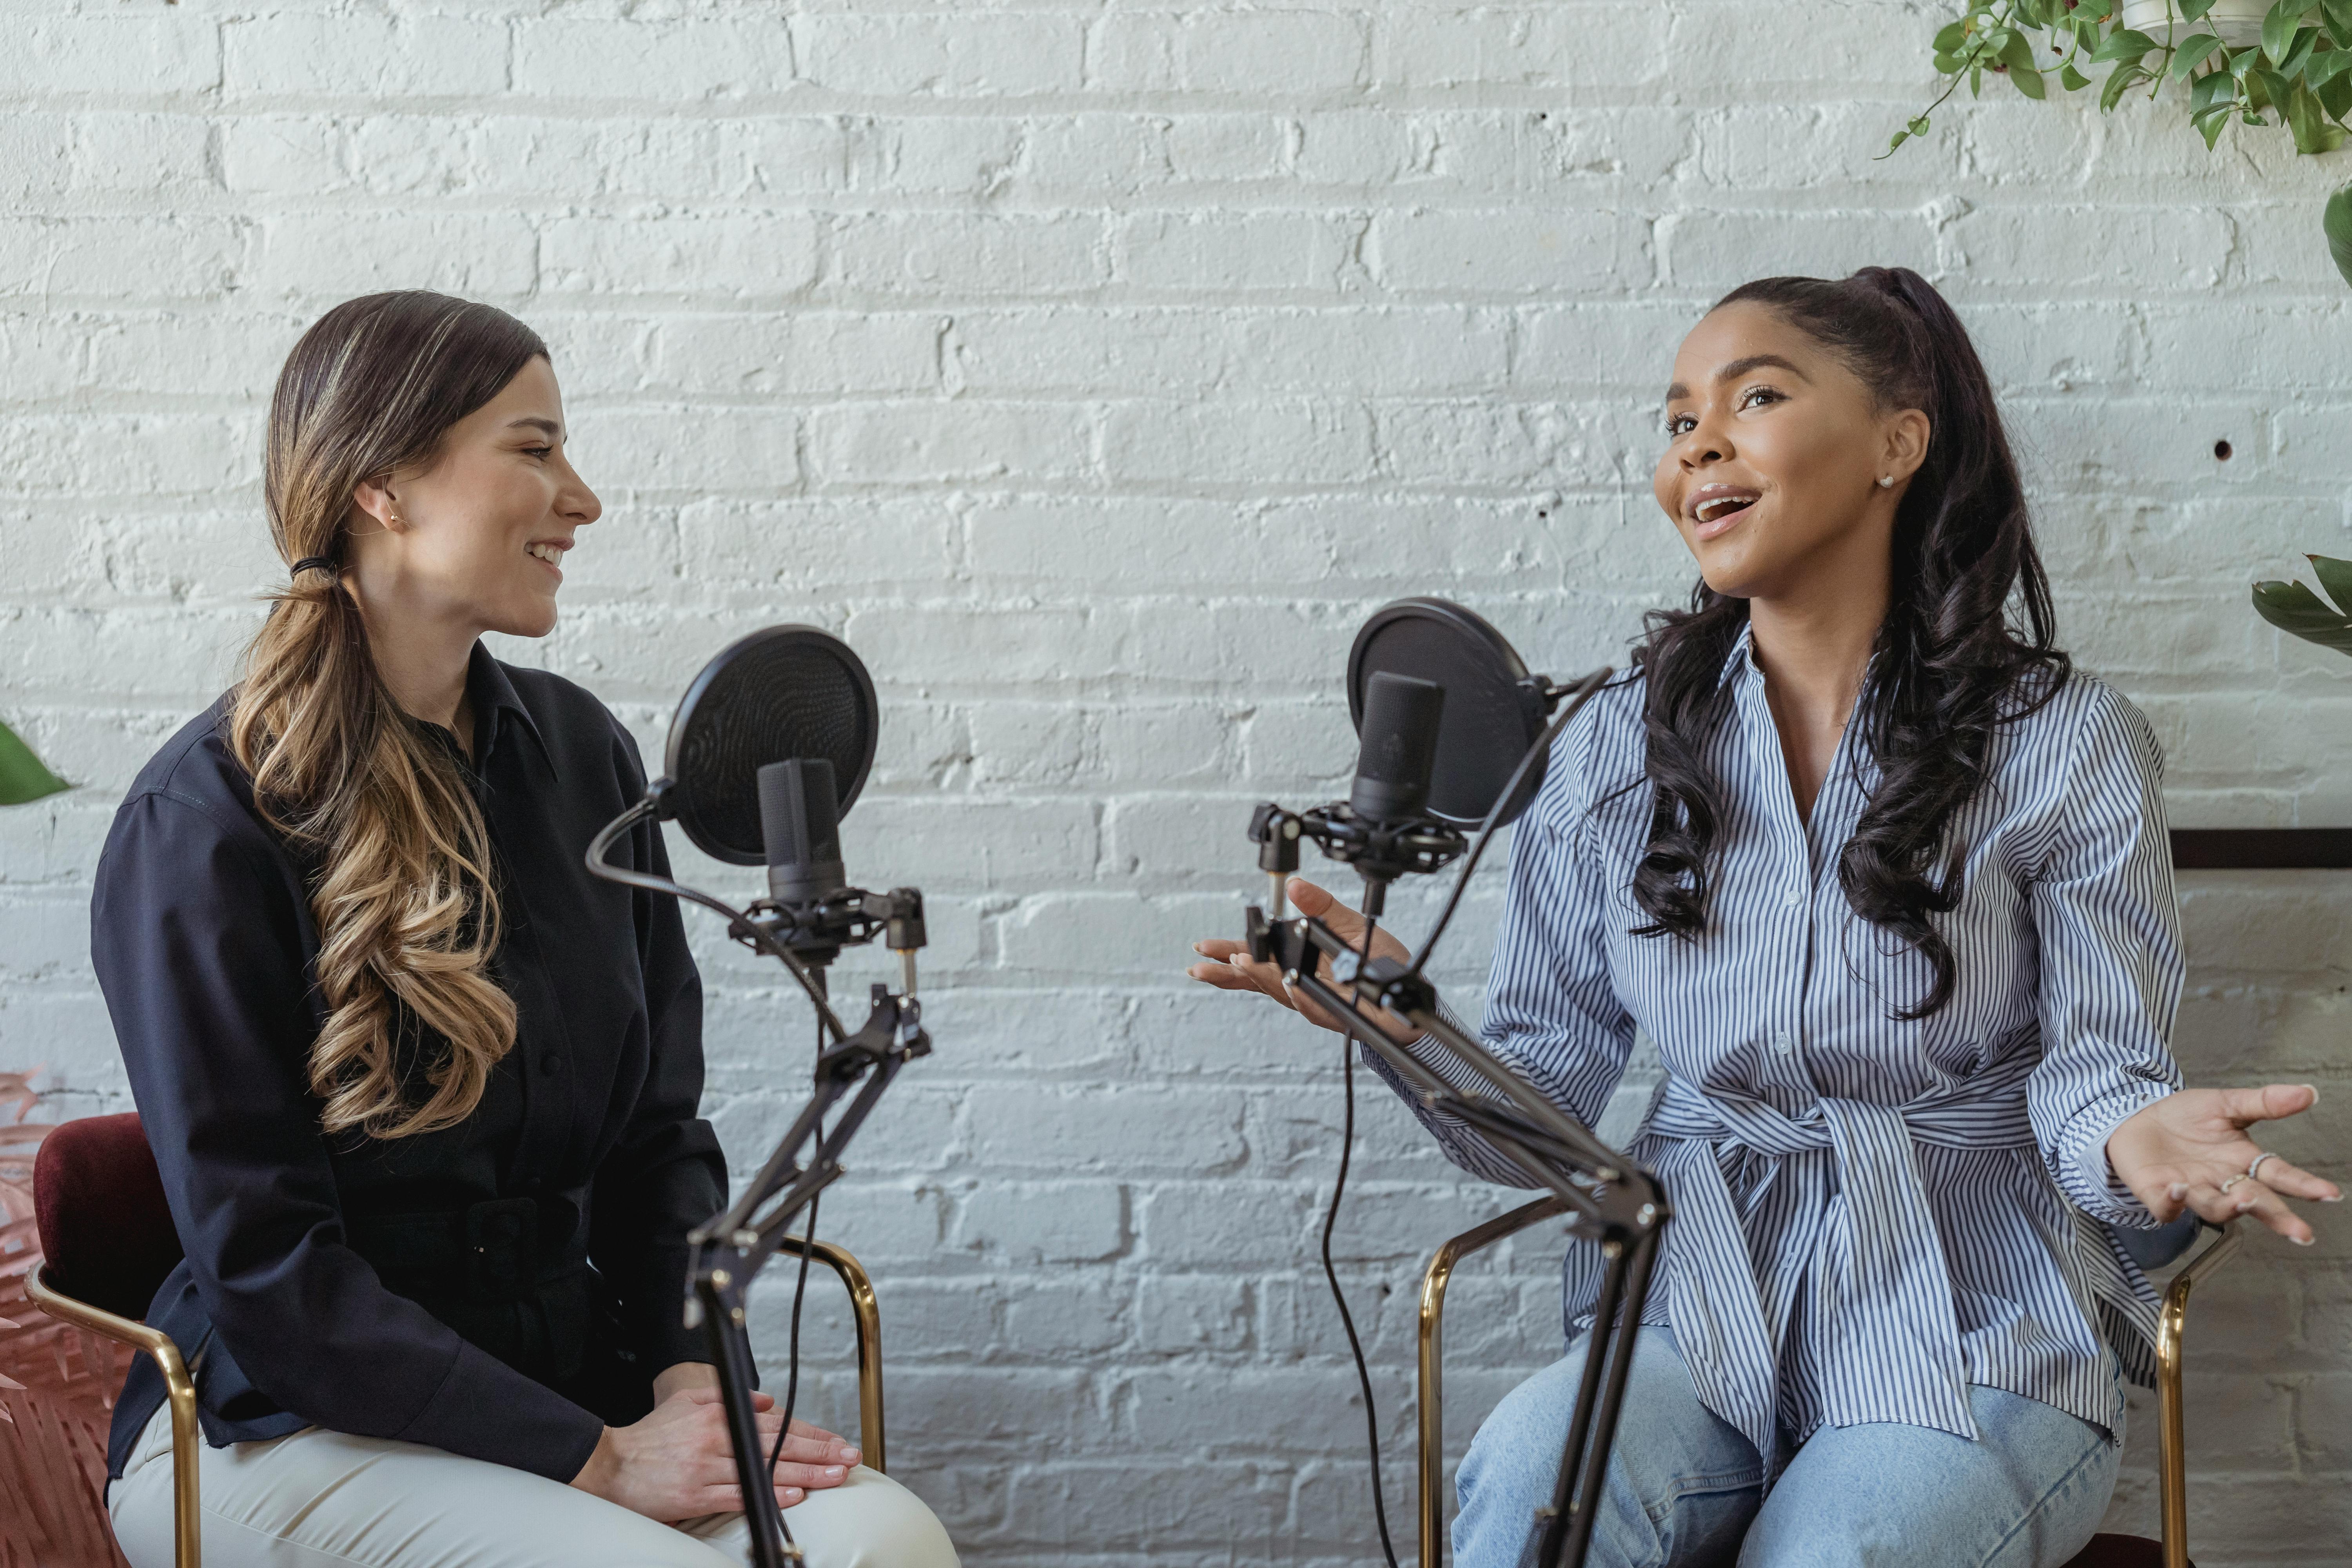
point(868, 1313)
point(2172, 1463)
point(1433, 1281)
point(180, 1390)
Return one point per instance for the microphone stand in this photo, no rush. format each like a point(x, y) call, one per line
point(729, 1251)
point(1615, 1203)
point(1612, 1202)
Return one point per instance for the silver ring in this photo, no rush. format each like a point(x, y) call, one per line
point(2252, 1170)
point(2233, 1181)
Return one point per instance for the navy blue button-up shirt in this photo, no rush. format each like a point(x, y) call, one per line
point(501, 1289)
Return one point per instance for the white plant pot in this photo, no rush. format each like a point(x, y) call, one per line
point(2238, 22)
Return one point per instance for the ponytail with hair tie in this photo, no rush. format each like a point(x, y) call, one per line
point(406, 912)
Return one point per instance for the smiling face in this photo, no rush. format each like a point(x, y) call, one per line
point(1775, 449)
point(477, 536)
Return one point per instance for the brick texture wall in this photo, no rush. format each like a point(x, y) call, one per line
point(1094, 368)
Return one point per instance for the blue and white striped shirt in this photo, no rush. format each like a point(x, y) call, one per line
point(1870, 1215)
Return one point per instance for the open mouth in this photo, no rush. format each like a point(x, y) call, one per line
point(1717, 509)
point(542, 550)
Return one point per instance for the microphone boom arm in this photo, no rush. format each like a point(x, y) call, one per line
point(1614, 1202)
point(729, 1251)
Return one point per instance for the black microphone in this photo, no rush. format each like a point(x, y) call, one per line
point(800, 819)
point(1399, 747)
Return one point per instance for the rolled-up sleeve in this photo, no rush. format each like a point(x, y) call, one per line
point(196, 937)
point(2108, 924)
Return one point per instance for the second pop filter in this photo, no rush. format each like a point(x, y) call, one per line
point(1494, 709)
point(780, 693)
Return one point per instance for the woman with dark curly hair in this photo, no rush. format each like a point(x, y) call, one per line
point(1888, 884)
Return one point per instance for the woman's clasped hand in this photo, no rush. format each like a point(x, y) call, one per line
point(677, 1462)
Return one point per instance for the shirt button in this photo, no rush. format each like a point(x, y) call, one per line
point(550, 1063)
point(1783, 1043)
point(1794, 897)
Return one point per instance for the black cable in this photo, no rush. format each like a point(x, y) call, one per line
point(1348, 1318)
point(1583, 692)
point(800, 1293)
point(792, 1379)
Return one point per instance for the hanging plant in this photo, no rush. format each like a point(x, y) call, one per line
point(2287, 65)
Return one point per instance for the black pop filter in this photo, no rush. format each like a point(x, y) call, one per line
point(784, 692)
point(1494, 711)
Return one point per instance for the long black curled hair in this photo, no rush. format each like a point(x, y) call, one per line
point(1951, 662)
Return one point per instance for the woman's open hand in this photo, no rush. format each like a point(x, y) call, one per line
point(1228, 966)
point(2191, 1149)
point(678, 1464)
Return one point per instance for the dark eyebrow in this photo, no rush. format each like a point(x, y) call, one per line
point(1739, 367)
point(1758, 361)
point(532, 421)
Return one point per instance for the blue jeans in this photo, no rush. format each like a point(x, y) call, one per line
point(1685, 1488)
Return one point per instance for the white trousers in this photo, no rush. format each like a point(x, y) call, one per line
point(327, 1500)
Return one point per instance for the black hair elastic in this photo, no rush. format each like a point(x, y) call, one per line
point(307, 561)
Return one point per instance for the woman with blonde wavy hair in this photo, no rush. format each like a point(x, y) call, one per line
point(424, 1095)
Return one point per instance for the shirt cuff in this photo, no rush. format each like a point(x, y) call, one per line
point(2097, 1188)
point(486, 1410)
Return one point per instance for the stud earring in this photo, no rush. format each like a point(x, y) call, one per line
point(1885, 481)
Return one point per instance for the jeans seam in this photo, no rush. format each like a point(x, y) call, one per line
point(1695, 1486)
point(2060, 1484)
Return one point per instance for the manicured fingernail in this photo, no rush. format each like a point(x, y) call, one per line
point(2301, 1240)
point(832, 1472)
point(2177, 1191)
point(2246, 1207)
point(2333, 1198)
point(2315, 1092)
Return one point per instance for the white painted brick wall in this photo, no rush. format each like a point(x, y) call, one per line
point(1094, 367)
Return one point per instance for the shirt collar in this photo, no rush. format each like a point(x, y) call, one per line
point(496, 703)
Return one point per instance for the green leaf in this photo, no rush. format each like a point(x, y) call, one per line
point(2298, 53)
point(1949, 38)
point(2296, 610)
point(2278, 28)
point(2313, 134)
point(2213, 88)
point(2275, 87)
point(2335, 93)
point(1918, 126)
point(2339, 21)
point(2017, 53)
point(2120, 81)
point(22, 776)
point(2337, 221)
point(1897, 140)
point(2028, 82)
point(2325, 67)
point(2193, 9)
point(1976, 81)
point(2124, 44)
point(2212, 123)
point(2192, 54)
point(2072, 79)
point(2335, 578)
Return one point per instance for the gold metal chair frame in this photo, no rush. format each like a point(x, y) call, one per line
point(187, 1539)
point(2172, 1459)
point(180, 1390)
